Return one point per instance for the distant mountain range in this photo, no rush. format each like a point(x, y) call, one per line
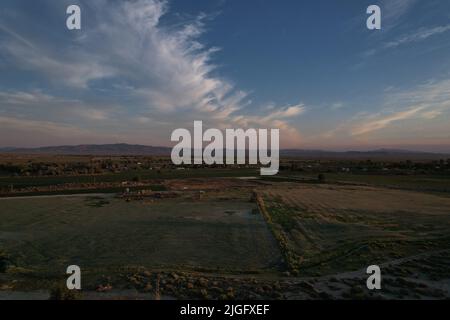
point(93, 149)
point(388, 154)
point(131, 149)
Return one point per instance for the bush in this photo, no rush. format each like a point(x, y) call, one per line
point(60, 292)
point(5, 262)
point(321, 177)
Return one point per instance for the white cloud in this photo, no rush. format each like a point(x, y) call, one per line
point(423, 103)
point(394, 10)
point(420, 35)
point(383, 122)
point(431, 114)
point(30, 133)
point(164, 72)
point(337, 106)
point(74, 69)
point(25, 98)
point(37, 105)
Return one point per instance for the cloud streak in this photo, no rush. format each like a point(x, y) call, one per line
point(420, 35)
point(425, 102)
point(383, 122)
point(163, 71)
point(394, 10)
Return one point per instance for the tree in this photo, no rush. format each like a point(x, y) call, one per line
point(321, 178)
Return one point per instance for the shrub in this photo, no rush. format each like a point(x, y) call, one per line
point(5, 262)
point(60, 292)
point(321, 178)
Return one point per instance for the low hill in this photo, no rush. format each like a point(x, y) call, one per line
point(135, 149)
point(91, 149)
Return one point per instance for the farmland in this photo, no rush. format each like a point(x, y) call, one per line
point(420, 182)
point(100, 231)
point(334, 228)
point(215, 233)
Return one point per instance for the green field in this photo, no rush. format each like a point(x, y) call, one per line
point(43, 235)
point(433, 183)
point(277, 240)
point(22, 182)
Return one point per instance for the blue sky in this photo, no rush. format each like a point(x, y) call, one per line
point(140, 69)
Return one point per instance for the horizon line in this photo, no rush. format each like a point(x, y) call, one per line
point(314, 149)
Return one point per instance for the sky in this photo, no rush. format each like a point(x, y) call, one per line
point(137, 70)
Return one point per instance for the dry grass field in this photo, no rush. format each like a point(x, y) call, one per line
point(330, 229)
point(225, 238)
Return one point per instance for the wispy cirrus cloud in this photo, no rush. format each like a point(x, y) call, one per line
point(420, 35)
point(393, 11)
point(72, 68)
point(384, 121)
point(164, 72)
point(421, 103)
point(26, 132)
point(47, 105)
